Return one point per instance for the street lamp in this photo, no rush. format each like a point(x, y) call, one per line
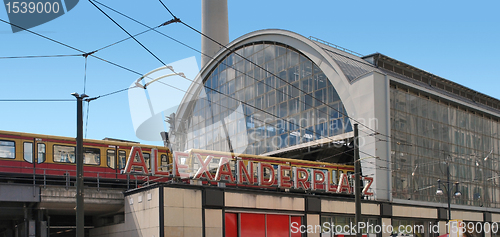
point(448, 189)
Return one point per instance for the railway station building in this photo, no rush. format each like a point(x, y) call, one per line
point(299, 97)
point(276, 93)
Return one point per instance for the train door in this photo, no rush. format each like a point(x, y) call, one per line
point(121, 162)
point(34, 155)
point(40, 156)
point(111, 162)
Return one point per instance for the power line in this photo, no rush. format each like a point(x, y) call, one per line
point(167, 9)
point(41, 56)
point(87, 118)
point(117, 42)
point(201, 84)
point(35, 100)
point(85, 76)
point(283, 80)
point(262, 68)
point(220, 61)
point(68, 46)
point(127, 32)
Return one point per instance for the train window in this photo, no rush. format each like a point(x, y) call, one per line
point(91, 156)
point(28, 151)
point(164, 162)
point(111, 157)
point(147, 159)
point(64, 154)
point(7, 149)
point(122, 159)
point(41, 153)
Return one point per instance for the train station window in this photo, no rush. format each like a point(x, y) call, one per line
point(122, 159)
point(64, 154)
point(28, 151)
point(7, 149)
point(111, 157)
point(91, 156)
point(41, 153)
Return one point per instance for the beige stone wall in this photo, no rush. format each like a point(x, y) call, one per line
point(213, 222)
point(264, 201)
point(495, 217)
point(183, 215)
point(416, 212)
point(442, 228)
point(466, 215)
point(141, 217)
point(313, 220)
point(349, 207)
point(386, 222)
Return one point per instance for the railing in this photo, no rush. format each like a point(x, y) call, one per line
point(67, 178)
point(335, 46)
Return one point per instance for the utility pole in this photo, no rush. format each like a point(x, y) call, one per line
point(80, 217)
point(357, 180)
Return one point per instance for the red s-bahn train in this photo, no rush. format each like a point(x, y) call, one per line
point(35, 154)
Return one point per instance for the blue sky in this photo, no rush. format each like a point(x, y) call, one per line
point(457, 40)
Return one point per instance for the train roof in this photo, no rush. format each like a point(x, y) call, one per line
point(108, 141)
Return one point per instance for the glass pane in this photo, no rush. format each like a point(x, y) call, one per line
point(41, 153)
point(111, 158)
point(147, 159)
point(91, 156)
point(7, 149)
point(64, 154)
point(28, 152)
point(122, 159)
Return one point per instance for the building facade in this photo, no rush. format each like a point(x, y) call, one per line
point(277, 93)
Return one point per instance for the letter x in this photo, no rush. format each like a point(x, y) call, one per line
point(203, 170)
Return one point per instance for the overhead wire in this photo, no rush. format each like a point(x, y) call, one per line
point(262, 68)
point(41, 56)
point(271, 73)
point(193, 81)
point(134, 72)
point(35, 100)
point(125, 68)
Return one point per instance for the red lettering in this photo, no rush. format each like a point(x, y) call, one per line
point(316, 181)
point(244, 172)
point(300, 181)
point(367, 186)
point(224, 170)
point(262, 180)
point(179, 164)
point(329, 183)
point(155, 167)
point(344, 184)
point(284, 181)
point(133, 165)
point(203, 171)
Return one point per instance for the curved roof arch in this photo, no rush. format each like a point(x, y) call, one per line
point(336, 64)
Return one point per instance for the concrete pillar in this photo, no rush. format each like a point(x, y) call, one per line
point(442, 228)
point(386, 222)
point(214, 23)
point(313, 220)
point(213, 222)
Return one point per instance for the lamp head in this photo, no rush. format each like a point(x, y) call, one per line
point(457, 193)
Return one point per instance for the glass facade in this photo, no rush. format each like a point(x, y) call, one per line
point(275, 113)
point(428, 135)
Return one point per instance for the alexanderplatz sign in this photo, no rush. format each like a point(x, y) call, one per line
point(258, 171)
